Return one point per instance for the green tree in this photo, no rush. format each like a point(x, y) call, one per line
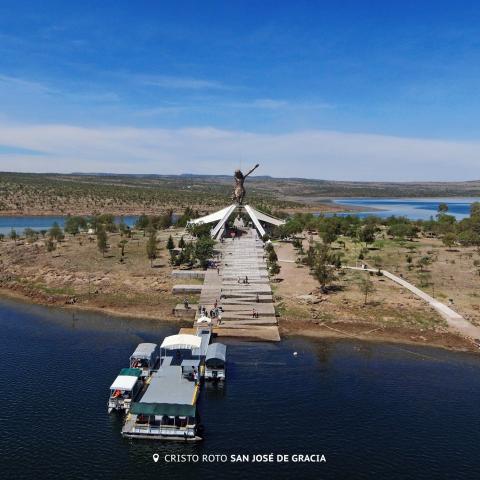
point(170, 244)
point(73, 225)
point(367, 287)
point(475, 209)
point(30, 235)
point(56, 232)
point(450, 239)
point(188, 214)
point(442, 208)
point(272, 256)
point(329, 234)
point(274, 268)
point(403, 230)
point(152, 246)
point(424, 261)
point(107, 220)
point(14, 235)
point(367, 233)
point(203, 250)
point(102, 239)
point(181, 243)
point(199, 230)
point(142, 223)
point(323, 266)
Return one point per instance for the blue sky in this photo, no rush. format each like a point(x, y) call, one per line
point(341, 90)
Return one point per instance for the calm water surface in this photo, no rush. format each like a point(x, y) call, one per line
point(20, 223)
point(413, 208)
point(375, 411)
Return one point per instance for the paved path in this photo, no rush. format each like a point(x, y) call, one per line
point(454, 320)
point(241, 259)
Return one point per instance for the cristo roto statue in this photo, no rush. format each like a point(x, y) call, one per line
point(239, 190)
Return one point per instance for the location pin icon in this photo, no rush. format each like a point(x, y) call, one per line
point(156, 456)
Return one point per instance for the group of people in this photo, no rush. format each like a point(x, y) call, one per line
point(243, 280)
point(215, 312)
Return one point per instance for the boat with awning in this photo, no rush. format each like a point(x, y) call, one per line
point(215, 360)
point(125, 389)
point(145, 357)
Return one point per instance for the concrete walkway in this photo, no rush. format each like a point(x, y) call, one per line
point(455, 321)
point(241, 260)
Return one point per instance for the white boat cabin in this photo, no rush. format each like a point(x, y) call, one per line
point(125, 389)
point(215, 360)
point(145, 357)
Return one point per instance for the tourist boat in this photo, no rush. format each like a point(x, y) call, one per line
point(145, 357)
point(215, 362)
point(125, 389)
point(168, 408)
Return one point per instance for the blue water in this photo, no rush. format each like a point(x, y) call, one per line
point(375, 410)
point(413, 208)
point(38, 223)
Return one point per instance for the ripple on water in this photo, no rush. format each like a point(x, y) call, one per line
point(374, 410)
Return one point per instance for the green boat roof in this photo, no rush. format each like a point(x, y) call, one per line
point(169, 409)
point(131, 372)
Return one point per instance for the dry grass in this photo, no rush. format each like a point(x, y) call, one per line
point(76, 269)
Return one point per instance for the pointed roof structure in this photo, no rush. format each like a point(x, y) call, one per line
point(221, 217)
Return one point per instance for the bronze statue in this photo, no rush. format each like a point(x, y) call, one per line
point(239, 190)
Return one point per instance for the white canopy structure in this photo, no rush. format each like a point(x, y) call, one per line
point(144, 350)
point(181, 340)
point(203, 319)
point(222, 216)
point(124, 382)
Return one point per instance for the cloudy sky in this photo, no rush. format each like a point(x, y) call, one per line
point(358, 90)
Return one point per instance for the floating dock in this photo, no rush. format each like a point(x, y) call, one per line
point(168, 408)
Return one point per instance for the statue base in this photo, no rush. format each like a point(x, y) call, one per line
point(221, 217)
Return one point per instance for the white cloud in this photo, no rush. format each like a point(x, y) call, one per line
point(8, 81)
point(186, 83)
point(312, 154)
point(274, 104)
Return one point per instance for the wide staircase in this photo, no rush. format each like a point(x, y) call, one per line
point(241, 285)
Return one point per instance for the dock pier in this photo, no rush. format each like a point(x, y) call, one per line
point(241, 286)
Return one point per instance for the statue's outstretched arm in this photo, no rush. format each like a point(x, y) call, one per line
point(256, 166)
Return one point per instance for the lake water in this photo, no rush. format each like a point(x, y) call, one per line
point(374, 410)
point(412, 208)
point(38, 223)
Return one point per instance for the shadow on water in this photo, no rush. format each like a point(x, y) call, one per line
point(374, 410)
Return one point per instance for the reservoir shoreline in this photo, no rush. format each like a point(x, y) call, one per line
point(447, 341)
